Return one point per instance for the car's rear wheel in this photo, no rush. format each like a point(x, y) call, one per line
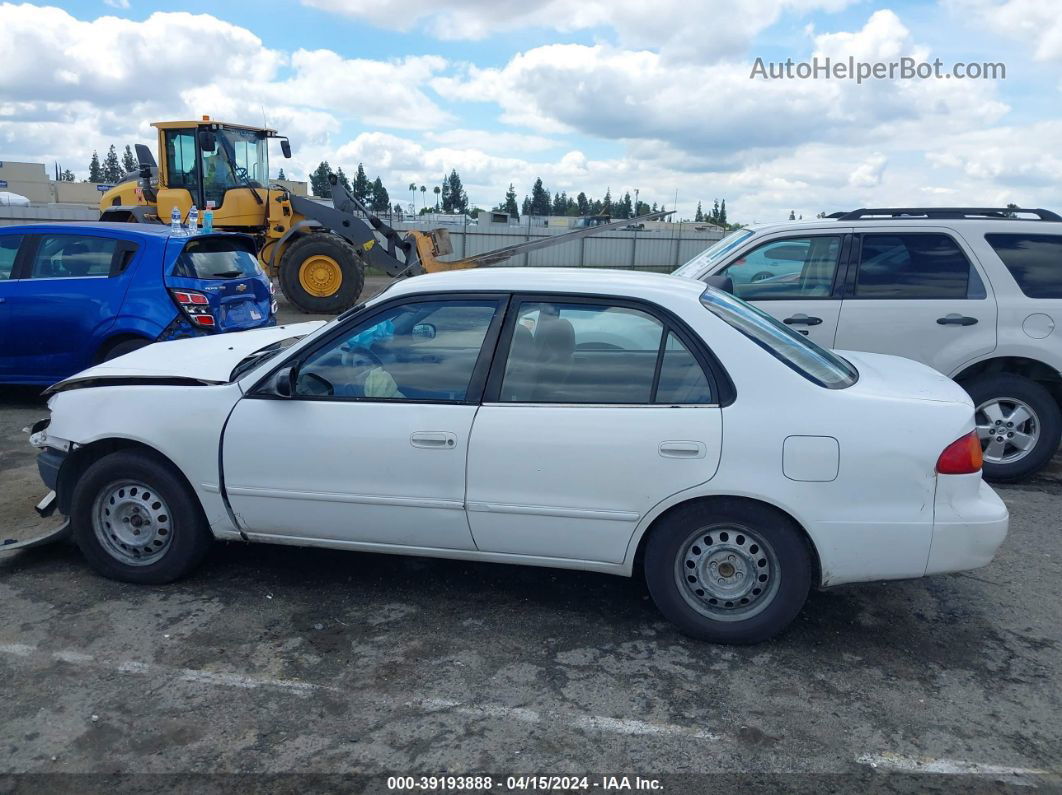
point(1018, 422)
point(135, 519)
point(728, 571)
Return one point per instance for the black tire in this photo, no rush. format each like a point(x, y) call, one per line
point(1009, 385)
point(185, 523)
point(352, 272)
point(123, 347)
point(737, 523)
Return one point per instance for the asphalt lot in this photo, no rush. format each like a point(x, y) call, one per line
point(284, 660)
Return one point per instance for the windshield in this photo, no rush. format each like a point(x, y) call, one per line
point(216, 258)
point(696, 266)
point(252, 360)
point(790, 347)
point(240, 159)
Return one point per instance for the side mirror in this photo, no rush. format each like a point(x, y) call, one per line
point(724, 283)
point(285, 147)
point(284, 382)
point(208, 142)
point(424, 331)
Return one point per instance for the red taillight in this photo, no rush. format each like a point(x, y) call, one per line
point(195, 305)
point(961, 457)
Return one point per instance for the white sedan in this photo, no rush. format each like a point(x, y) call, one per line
point(632, 424)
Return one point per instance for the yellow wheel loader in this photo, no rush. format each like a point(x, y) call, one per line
point(317, 253)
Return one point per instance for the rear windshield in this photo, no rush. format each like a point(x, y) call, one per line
point(790, 347)
point(1035, 262)
point(216, 258)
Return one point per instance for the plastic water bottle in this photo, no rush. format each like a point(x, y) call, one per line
point(175, 221)
point(193, 220)
point(208, 218)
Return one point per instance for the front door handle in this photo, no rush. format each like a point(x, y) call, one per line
point(433, 440)
point(955, 319)
point(802, 320)
point(682, 449)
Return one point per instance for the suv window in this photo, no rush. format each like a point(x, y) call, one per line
point(216, 258)
point(8, 252)
point(596, 353)
point(793, 267)
point(915, 266)
point(72, 256)
point(1035, 262)
point(425, 350)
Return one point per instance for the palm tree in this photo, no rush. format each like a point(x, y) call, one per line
point(413, 190)
point(437, 190)
point(423, 202)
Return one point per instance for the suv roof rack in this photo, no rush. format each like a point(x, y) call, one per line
point(904, 213)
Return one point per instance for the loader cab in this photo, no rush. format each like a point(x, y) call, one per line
point(211, 162)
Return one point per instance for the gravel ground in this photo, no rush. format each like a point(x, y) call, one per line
point(277, 660)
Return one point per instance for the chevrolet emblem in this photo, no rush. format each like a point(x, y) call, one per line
point(241, 287)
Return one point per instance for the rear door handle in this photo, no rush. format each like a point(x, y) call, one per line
point(802, 320)
point(955, 319)
point(433, 440)
point(682, 449)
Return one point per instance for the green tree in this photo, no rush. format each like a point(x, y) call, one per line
point(699, 215)
point(128, 160)
point(413, 191)
point(582, 204)
point(319, 184)
point(112, 167)
point(722, 214)
point(381, 201)
point(623, 207)
point(423, 201)
point(509, 205)
point(454, 198)
point(792, 215)
point(606, 203)
point(362, 187)
point(641, 208)
point(280, 175)
point(341, 178)
point(540, 203)
point(95, 172)
point(526, 205)
point(437, 190)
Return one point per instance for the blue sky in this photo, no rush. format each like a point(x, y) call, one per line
point(590, 96)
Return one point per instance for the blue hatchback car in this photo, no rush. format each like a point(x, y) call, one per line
point(73, 295)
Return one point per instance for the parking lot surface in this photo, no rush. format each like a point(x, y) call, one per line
point(274, 659)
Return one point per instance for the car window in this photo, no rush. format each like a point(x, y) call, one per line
point(596, 353)
point(8, 252)
point(72, 256)
point(793, 267)
point(216, 258)
point(1035, 262)
point(796, 351)
point(681, 378)
point(696, 266)
point(423, 350)
point(918, 265)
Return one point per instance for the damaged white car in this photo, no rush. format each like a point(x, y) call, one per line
point(623, 423)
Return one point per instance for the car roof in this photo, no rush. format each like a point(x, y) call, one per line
point(1029, 226)
point(577, 281)
point(145, 230)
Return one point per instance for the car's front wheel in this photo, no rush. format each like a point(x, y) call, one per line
point(135, 519)
point(728, 571)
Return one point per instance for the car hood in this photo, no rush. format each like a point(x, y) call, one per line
point(204, 360)
point(899, 378)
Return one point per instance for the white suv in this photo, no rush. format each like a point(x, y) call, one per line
point(975, 293)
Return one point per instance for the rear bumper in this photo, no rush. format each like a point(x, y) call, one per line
point(969, 524)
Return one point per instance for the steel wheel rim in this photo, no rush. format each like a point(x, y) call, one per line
point(132, 523)
point(1008, 429)
point(727, 572)
point(320, 275)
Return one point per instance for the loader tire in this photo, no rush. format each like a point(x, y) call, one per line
point(320, 274)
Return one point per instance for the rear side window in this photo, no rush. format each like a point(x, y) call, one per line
point(72, 256)
point(915, 266)
point(216, 258)
point(8, 251)
point(599, 354)
point(1035, 262)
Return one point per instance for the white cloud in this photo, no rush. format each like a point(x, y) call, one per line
point(703, 31)
point(1035, 22)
